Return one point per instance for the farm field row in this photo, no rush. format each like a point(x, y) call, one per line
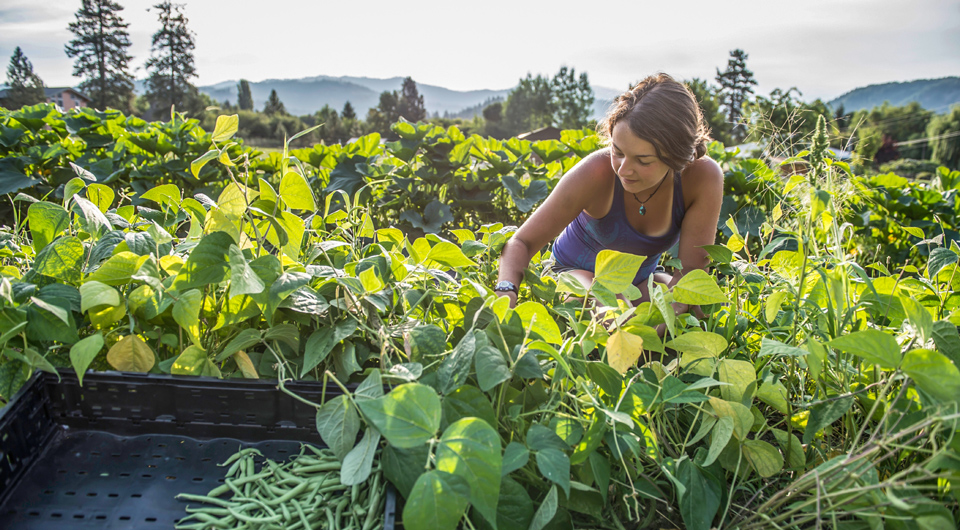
point(821, 384)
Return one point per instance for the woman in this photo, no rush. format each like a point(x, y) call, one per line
point(652, 185)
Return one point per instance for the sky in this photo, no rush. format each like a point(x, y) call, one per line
point(823, 47)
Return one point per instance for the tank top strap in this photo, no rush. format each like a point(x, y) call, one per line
point(678, 205)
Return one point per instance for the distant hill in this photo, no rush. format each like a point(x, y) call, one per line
point(933, 94)
point(309, 94)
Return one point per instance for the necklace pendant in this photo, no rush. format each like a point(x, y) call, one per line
point(643, 210)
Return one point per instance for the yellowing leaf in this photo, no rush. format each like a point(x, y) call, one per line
point(623, 350)
point(741, 416)
point(106, 315)
point(765, 458)
point(773, 305)
point(699, 341)
point(296, 192)
point(777, 212)
point(171, 264)
point(235, 198)
point(699, 362)
point(226, 127)
point(191, 361)
point(245, 365)
point(740, 375)
point(698, 288)
point(131, 354)
point(775, 395)
point(535, 316)
point(735, 243)
point(186, 312)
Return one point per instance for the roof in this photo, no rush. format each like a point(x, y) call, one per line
point(543, 133)
point(53, 91)
point(50, 92)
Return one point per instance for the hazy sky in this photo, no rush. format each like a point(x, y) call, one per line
point(822, 47)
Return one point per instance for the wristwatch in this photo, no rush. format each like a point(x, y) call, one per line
point(504, 286)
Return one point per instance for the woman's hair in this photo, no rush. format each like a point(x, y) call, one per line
point(665, 113)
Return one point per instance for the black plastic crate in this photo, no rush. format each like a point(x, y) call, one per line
point(115, 453)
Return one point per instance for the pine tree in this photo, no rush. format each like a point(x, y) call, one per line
point(381, 117)
point(274, 105)
point(171, 64)
point(26, 88)
point(735, 88)
point(100, 49)
point(244, 96)
point(572, 99)
point(410, 105)
point(348, 113)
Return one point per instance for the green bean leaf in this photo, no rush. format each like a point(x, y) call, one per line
point(359, 461)
point(338, 424)
point(407, 417)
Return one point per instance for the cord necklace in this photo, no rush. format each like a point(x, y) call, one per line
point(643, 209)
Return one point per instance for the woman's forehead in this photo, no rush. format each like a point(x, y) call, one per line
point(627, 141)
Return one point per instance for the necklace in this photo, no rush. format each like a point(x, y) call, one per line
point(643, 209)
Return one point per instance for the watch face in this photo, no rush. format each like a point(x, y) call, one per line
point(505, 286)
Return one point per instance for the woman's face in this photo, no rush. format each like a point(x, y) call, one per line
point(635, 160)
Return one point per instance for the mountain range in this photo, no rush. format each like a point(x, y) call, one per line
point(309, 94)
point(937, 95)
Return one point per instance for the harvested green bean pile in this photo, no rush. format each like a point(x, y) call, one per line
point(303, 493)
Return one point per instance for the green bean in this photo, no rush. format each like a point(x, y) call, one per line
point(329, 466)
point(331, 522)
point(210, 499)
point(303, 516)
point(249, 519)
point(213, 511)
point(375, 490)
point(290, 494)
point(240, 454)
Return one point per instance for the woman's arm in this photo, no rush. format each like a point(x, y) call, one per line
point(577, 190)
point(699, 227)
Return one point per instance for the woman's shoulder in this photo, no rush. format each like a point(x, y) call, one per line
point(702, 176)
point(591, 174)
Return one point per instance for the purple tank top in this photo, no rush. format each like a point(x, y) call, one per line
point(580, 242)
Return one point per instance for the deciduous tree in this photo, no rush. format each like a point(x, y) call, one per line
point(100, 48)
point(530, 105)
point(708, 97)
point(25, 86)
point(572, 98)
point(944, 133)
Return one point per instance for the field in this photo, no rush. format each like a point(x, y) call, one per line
point(820, 390)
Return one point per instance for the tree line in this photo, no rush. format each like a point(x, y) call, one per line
point(781, 121)
point(102, 62)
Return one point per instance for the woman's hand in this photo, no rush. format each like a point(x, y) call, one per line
point(679, 309)
point(509, 294)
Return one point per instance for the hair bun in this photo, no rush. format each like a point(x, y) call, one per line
point(700, 148)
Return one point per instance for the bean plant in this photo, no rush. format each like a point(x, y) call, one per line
point(819, 388)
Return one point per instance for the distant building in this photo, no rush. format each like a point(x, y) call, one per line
point(543, 133)
point(66, 97)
